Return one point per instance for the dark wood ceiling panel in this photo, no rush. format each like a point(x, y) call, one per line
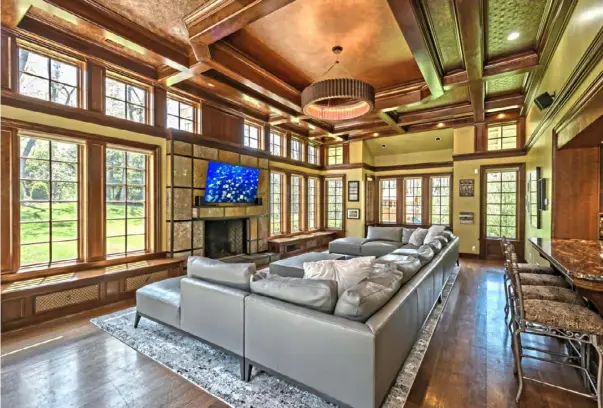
point(506, 16)
point(442, 21)
point(505, 85)
point(453, 96)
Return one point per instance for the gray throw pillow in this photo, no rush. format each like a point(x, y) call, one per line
point(384, 234)
point(408, 265)
point(443, 240)
point(314, 294)
point(436, 245)
point(406, 234)
point(418, 237)
point(448, 234)
point(432, 232)
point(425, 254)
point(367, 297)
point(234, 275)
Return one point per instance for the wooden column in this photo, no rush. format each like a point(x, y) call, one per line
point(160, 107)
point(9, 60)
point(287, 204)
point(9, 201)
point(266, 136)
point(287, 144)
point(346, 153)
point(95, 87)
point(95, 200)
point(481, 137)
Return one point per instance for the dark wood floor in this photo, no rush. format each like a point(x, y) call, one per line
point(71, 363)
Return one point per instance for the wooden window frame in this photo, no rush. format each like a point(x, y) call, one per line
point(315, 204)
point(283, 204)
point(296, 141)
point(51, 54)
point(449, 177)
point(92, 213)
point(405, 196)
point(502, 125)
point(335, 156)
point(115, 76)
point(316, 149)
point(282, 138)
point(300, 203)
point(245, 138)
point(395, 213)
point(196, 112)
point(326, 202)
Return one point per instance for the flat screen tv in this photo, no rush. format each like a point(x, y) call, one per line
point(227, 183)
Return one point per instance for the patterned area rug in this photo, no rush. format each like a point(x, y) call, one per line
point(218, 373)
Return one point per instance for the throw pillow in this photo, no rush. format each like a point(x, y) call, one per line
point(384, 234)
point(406, 234)
point(425, 254)
point(443, 240)
point(408, 265)
point(364, 299)
point(432, 232)
point(448, 234)
point(436, 245)
point(234, 275)
point(345, 273)
point(418, 237)
point(314, 294)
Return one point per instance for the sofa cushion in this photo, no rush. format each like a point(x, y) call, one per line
point(418, 237)
point(347, 246)
point(443, 240)
point(314, 294)
point(408, 249)
point(406, 234)
point(161, 301)
point(408, 265)
point(368, 296)
point(425, 253)
point(234, 275)
point(432, 232)
point(293, 267)
point(345, 273)
point(384, 234)
point(436, 245)
point(379, 248)
point(448, 234)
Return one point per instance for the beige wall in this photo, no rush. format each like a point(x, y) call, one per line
point(433, 156)
point(464, 140)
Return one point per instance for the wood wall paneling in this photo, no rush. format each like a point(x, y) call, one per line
point(95, 200)
point(95, 80)
point(159, 107)
point(9, 202)
point(222, 125)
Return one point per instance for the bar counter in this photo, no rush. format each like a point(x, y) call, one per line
point(579, 260)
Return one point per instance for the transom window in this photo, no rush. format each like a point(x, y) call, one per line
point(335, 155)
point(312, 203)
point(49, 178)
point(276, 206)
point(126, 101)
point(49, 79)
point(296, 149)
point(276, 144)
point(251, 136)
point(502, 137)
point(334, 203)
point(126, 210)
point(295, 203)
point(389, 201)
point(501, 203)
point(312, 154)
point(413, 201)
point(440, 200)
point(180, 115)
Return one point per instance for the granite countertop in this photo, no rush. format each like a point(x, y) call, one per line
point(579, 259)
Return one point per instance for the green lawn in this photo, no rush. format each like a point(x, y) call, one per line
point(36, 226)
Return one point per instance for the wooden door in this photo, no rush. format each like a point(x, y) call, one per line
point(502, 209)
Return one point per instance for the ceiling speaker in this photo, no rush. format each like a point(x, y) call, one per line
point(544, 100)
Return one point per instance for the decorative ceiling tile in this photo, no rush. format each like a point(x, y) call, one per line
point(442, 21)
point(505, 85)
point(506, 16)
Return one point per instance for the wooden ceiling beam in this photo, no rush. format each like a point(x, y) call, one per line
point(504, 102)
point(436, 114)
point(216, 19)
point(515, 64)
point(391, 121)
point(96, 14)
point(471, 28)
point(413, 24)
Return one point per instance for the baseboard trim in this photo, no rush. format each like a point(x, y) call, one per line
point(469, 256)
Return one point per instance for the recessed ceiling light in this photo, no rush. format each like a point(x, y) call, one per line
point(440, 125)
point(513, 36)
point(438, 139)
point(210, 84)
point(501, 116)
point(376, 134)
point(383, 146)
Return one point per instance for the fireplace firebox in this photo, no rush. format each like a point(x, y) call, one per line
point(225, 238)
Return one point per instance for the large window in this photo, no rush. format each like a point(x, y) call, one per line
point(295, 214)
point(180, 115)
point(251, 136)
point(440, 200)
point(126, 209)
point(126, 101)
point(312, 154)
point(389, 201)
point(334, 203)
point(335, 155)
point(413, 201)
point(276, 144)
point(49, 178)
point(296, 149)
point(502, 136)
point(276, 203)
point(47, 78)
point(312, 203)
point(501, 203)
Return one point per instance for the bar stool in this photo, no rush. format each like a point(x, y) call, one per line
point(560, 320)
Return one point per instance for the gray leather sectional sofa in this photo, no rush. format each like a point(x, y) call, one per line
point(298, 335)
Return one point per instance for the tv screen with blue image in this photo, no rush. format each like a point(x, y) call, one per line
point(227, 183)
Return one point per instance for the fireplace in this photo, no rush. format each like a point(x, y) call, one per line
point(225, 238)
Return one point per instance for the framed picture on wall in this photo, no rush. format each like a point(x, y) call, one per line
point(353, 191)
point(466, 187)
point(353, 213)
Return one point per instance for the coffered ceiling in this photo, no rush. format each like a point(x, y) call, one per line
point(433, 63)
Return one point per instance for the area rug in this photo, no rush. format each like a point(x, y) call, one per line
point(218, 373)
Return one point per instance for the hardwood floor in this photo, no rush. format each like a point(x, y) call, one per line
point(71, 363)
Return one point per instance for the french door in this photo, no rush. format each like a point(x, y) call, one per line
point(502, 209)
